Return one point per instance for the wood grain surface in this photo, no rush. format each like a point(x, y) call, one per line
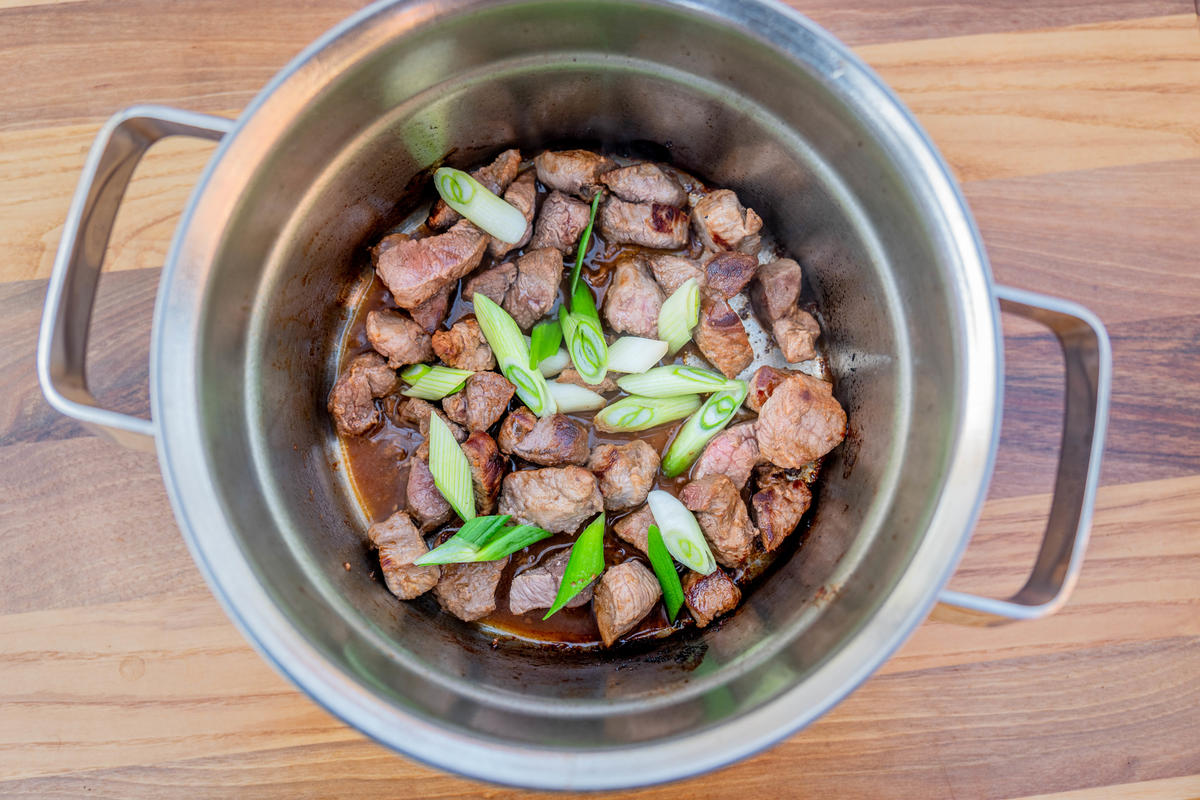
point(1075, 128)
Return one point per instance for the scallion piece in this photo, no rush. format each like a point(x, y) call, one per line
point(483, 539)
point(633, 354)
point(512, 353)
point(680, 532)
point(584, 241)
point(544, 342)
point(480, 205)
point(637, 413)
point(569, 398)
point(549, 367)
point(450, 469)
point(438, 382)
point(412, 374)
point(585, 343)
point(584, 566)
point(707, 422)
point(679, 314)
point(664, 570)
point(673, 380)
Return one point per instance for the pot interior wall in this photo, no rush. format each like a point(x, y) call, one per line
point(721, 103)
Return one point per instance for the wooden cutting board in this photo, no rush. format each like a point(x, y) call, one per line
point(1075, 128)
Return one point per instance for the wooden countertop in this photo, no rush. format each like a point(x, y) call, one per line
point(1075, 128)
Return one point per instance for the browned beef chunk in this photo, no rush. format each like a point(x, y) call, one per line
point(624, 596)
point(722, 515)
point(463, 346)
point(400, 544)
point(796, 334)
point(550, 441)
point(765, 381)
point(432, 313)
point(385, 244)
point(539, 272)
point(397, 337)
point(425, 502)
point(415, 414)
point(778, 505)
point(633, 300)
point(800, 421)
point(537, 586)
point(722, 223)
point(777, 289)
point(710, 596)
point(721, 336)
point(635, 528)
point(492, 283)
point(416, 270)
point(487, 470)
point(575, 172)
point(671, 272)
point(626, 473)
point(646, 224)
point(522, 195)
point(482, 401)
point(728, 273)
point(560, 223)
point(496, 176)
point(645, 183)
point(558, 499)
point(352, 400)
point(733, 453)
point(468, 591)
point(570, 375)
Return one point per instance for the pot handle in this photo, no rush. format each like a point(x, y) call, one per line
point(62, 341)
point(1087, 356)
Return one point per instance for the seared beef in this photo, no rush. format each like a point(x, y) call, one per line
point(522, 195)
point(765, 381)
point(537, 586)
point(487, 470)
point(397, 337)
point(482, 401)
point(539, 272)
point(633, 300)
point(496, 176)
point(635, 528)
point(468, 591)
point(570, 375)
point(722, 515)
point(733, 453)
point(425, 502)
point(797, 334)
point(626, 473)
point(671, 272)
point(416, 270)
point(463, 346)
point(648, 224)
point(492, 283)
point(722, 223)
point(801, 421)
point(645, 183)
point(710, 596)
point(400, 544)
point(721, 336)
point(777, 289)
point(560, 223)
point(728, 273)
point(557, 499)
point(550, 441)
point(385, 244)
point(624, 595)
point(575, 172)
point(778, 505)
point(352, 400)
point(415, 414)
point(432, 313)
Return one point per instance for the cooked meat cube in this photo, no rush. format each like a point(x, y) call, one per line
point(537, 586)
point(432, 313)
point(416, 270)
point(463, 346)
point(570, 375)
point(522, 195)
point(400, 544)
point(397, 337)
point(728, 273)
point(624, 595)
point(550, 441)
point(425, 502)
point(797, 334)
point(635, 528)
point(801, 421)
point(496, 176)
point(721, 336)
point(560, 223)
point(778, 505)
point(710, 596)
point(482, 401)
point(733, 453)
point(539, 273)
point(492, 283)
point(558, 499)
point(415, 414)
point(468, 591)
point(722, 223)
point(765, 380)
point(352, 400)
point(645, 183)
point(385, 244)
point(633, 300)
point(648, 224)
point(722, 515)
point(487, 470)
point(575, 172)
point(777, 289)
point(626, 473)
point(671, 272)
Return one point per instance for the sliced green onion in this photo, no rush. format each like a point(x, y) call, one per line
point(437, 382)
point(707, 422)
point(450, 469)
point(585, 342)
point(569, 398)
point(680, 532)
point(679, 314)
point(673, 380)
point(544, 342)
point(510, 540)
point(584, 566)
point(639, 413)
point(483, 539)
point(584, 241)
point(512, 353)
point(633, 354)
point(583, 305)
point(549, 367)
point(411, 375)
point(664, 570)
point(480, 205)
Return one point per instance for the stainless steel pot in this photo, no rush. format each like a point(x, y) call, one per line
point(748, 94)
